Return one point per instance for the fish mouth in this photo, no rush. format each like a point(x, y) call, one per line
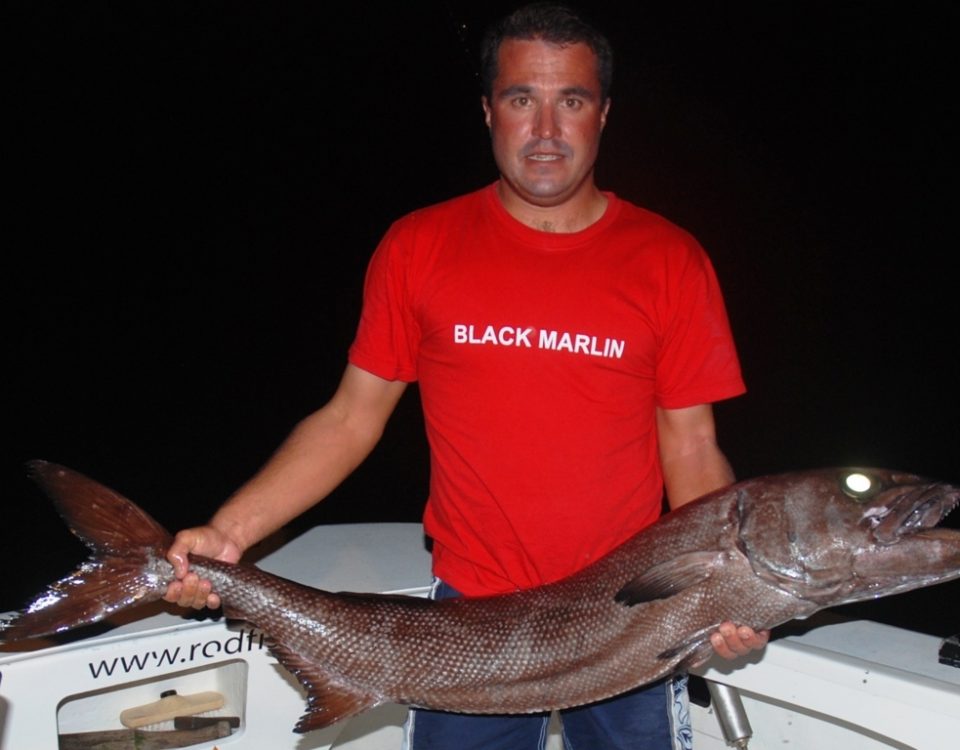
point(909, 510)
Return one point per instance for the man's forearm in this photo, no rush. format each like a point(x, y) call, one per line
point(317, 456)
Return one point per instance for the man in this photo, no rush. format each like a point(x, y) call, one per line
point(567, 345)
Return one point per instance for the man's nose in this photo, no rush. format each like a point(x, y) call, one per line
point(546, 125)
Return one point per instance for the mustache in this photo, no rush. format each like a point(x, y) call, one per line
point(551, 146)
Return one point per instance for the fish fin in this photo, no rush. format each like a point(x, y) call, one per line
point(125, 568)
point(328, 701)
point(102, 519)
point(670, 577)
point(690, 653)
point(94, 591)
point(700, 654)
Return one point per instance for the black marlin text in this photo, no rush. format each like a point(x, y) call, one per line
point(528, 337)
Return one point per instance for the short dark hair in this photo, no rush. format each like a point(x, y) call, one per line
point(550, 22)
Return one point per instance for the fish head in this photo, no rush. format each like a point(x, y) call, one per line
point(835, 536)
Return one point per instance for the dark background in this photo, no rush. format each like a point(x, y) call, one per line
point(194, 189)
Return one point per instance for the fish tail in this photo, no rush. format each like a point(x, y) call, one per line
point(126, 566)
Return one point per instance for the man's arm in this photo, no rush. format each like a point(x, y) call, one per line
point(317, 456)
point(694, 465)
point(692, 462)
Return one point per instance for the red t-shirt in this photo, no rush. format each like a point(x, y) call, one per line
point(541, 358)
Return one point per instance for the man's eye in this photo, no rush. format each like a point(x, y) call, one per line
point(573, 104)
point(521, 101)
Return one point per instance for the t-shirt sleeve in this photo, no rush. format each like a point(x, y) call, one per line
point(388, 335)
point(698, 361)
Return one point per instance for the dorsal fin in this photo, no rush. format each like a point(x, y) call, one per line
point(670, 577)
point(328, 701)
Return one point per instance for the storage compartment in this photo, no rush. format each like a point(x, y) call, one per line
point(96, 715)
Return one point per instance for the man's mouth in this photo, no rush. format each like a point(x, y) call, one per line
point(545, 151)
point(545, 157)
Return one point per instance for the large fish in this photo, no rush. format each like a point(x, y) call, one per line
point(760, 553)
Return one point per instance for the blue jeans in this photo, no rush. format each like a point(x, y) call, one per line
point(643, 719)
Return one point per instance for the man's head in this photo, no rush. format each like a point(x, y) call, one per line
point(550, 22)
point(546, 107)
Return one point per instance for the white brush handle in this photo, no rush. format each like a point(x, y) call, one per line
point(169, 707)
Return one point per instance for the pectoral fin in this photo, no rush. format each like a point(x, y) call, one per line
point(328, 701)
point(670, 577)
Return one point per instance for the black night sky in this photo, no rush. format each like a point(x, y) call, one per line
point(194, 189)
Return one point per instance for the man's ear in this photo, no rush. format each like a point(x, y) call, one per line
point(487, 112)
point(604, 112)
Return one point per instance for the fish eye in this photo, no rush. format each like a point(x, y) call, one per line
point(859, 485)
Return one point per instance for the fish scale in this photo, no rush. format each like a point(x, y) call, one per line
point(759, 553)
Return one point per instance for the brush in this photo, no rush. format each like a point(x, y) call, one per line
point(171, 705)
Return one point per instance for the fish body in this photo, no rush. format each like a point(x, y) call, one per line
point(759, 552)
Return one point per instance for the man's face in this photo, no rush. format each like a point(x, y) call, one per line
point(545, 117)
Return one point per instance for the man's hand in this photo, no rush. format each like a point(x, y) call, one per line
point(189, 590)
point(730, 641)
